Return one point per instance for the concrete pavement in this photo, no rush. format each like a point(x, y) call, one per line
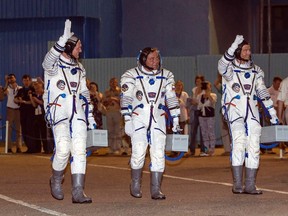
point(193, 186)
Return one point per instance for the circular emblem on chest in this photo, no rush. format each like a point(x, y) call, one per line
point(151, 81)
point(139, 95)
point(124, 87)
point(73, 71)
point(247, 75)
point(236, 87)
point(60, 84)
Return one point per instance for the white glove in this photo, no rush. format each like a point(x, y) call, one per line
point(238, 40)
point(129, 128)
point(91, 123)
point(67, 33)
point(274, 119)
point(176, 127)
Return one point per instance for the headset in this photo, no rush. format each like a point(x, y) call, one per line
point(70, 45)
point(237, 52)
point(142, 57)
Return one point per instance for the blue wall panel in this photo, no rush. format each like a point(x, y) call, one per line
point(38, 8)
point(26, 27)
point(25, 41)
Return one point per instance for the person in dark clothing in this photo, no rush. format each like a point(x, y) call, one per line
point(26, 113)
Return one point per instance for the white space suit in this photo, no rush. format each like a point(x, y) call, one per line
point(147, 96)
point(65, 81)
point(69, 112)
point(144, 96)
point(242, 84)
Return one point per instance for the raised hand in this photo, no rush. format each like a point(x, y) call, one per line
point(238, 40)
point(66, 34)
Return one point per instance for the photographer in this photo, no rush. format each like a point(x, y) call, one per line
point(12, 112)
point(206, 104)
point(192, 103)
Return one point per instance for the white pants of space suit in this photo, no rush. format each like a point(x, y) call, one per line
point(74, 143)
point(157, 147)
point(245, 147)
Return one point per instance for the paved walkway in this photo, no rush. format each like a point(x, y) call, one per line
point(193, 186)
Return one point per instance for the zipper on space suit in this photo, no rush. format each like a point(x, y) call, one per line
point(151, 102)
point(150, 121)
point(74, 110)
point(247, 108)
point(48, 123)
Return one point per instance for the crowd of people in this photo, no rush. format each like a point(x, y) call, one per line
point(54, 114)
point(25, 115)
point(195, 109)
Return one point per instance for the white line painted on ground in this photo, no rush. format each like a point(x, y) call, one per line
point(38, 208)
point(51, 212)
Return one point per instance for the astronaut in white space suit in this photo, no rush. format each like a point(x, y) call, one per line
point(243, 84)
point(147, 91)
point(69, 112)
